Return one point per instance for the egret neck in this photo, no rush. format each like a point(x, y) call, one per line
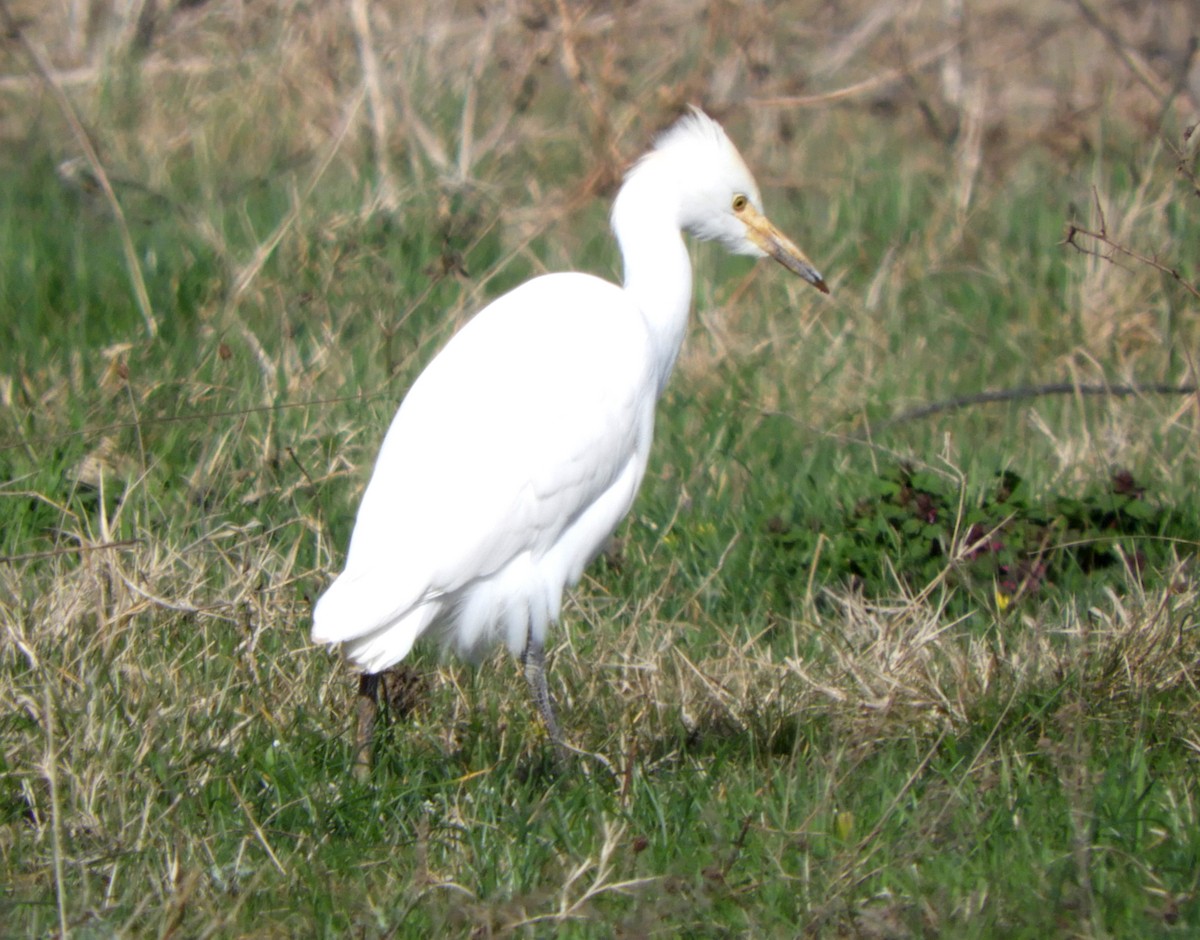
point(658, 272)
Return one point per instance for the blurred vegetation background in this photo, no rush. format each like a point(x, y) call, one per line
point(900, 637)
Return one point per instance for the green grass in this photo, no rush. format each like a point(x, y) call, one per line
point(825, 710)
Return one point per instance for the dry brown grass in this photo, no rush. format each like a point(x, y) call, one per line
point(1025, 77)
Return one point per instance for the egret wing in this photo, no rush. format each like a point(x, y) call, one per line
point(525, 419)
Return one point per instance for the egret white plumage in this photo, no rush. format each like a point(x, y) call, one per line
point(520, 448)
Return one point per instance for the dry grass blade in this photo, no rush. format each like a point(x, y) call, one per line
point(969, 156)
point(573, 906)
point(13, 28)
point(262, 839)
point(68, 550)
point(1128, 55)
point(388, 192)
point(859, 89)
point(249, 271)
point(50, 771)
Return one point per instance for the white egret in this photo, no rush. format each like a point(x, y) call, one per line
point(521, 446)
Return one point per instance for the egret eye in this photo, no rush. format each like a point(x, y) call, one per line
point(740, 202)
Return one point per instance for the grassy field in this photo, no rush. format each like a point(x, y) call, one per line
point(850, 670)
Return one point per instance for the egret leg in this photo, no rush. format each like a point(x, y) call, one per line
point(534, 661)
point(368, 711)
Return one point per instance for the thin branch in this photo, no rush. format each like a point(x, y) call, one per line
point(1184, 157)
point(1117, 249)
point(1026, 392)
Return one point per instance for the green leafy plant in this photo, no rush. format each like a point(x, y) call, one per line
point(918, 526)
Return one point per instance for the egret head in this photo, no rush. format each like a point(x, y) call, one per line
point(718, 198)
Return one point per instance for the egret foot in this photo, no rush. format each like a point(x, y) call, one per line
point(368, 711)
point(534, 661)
